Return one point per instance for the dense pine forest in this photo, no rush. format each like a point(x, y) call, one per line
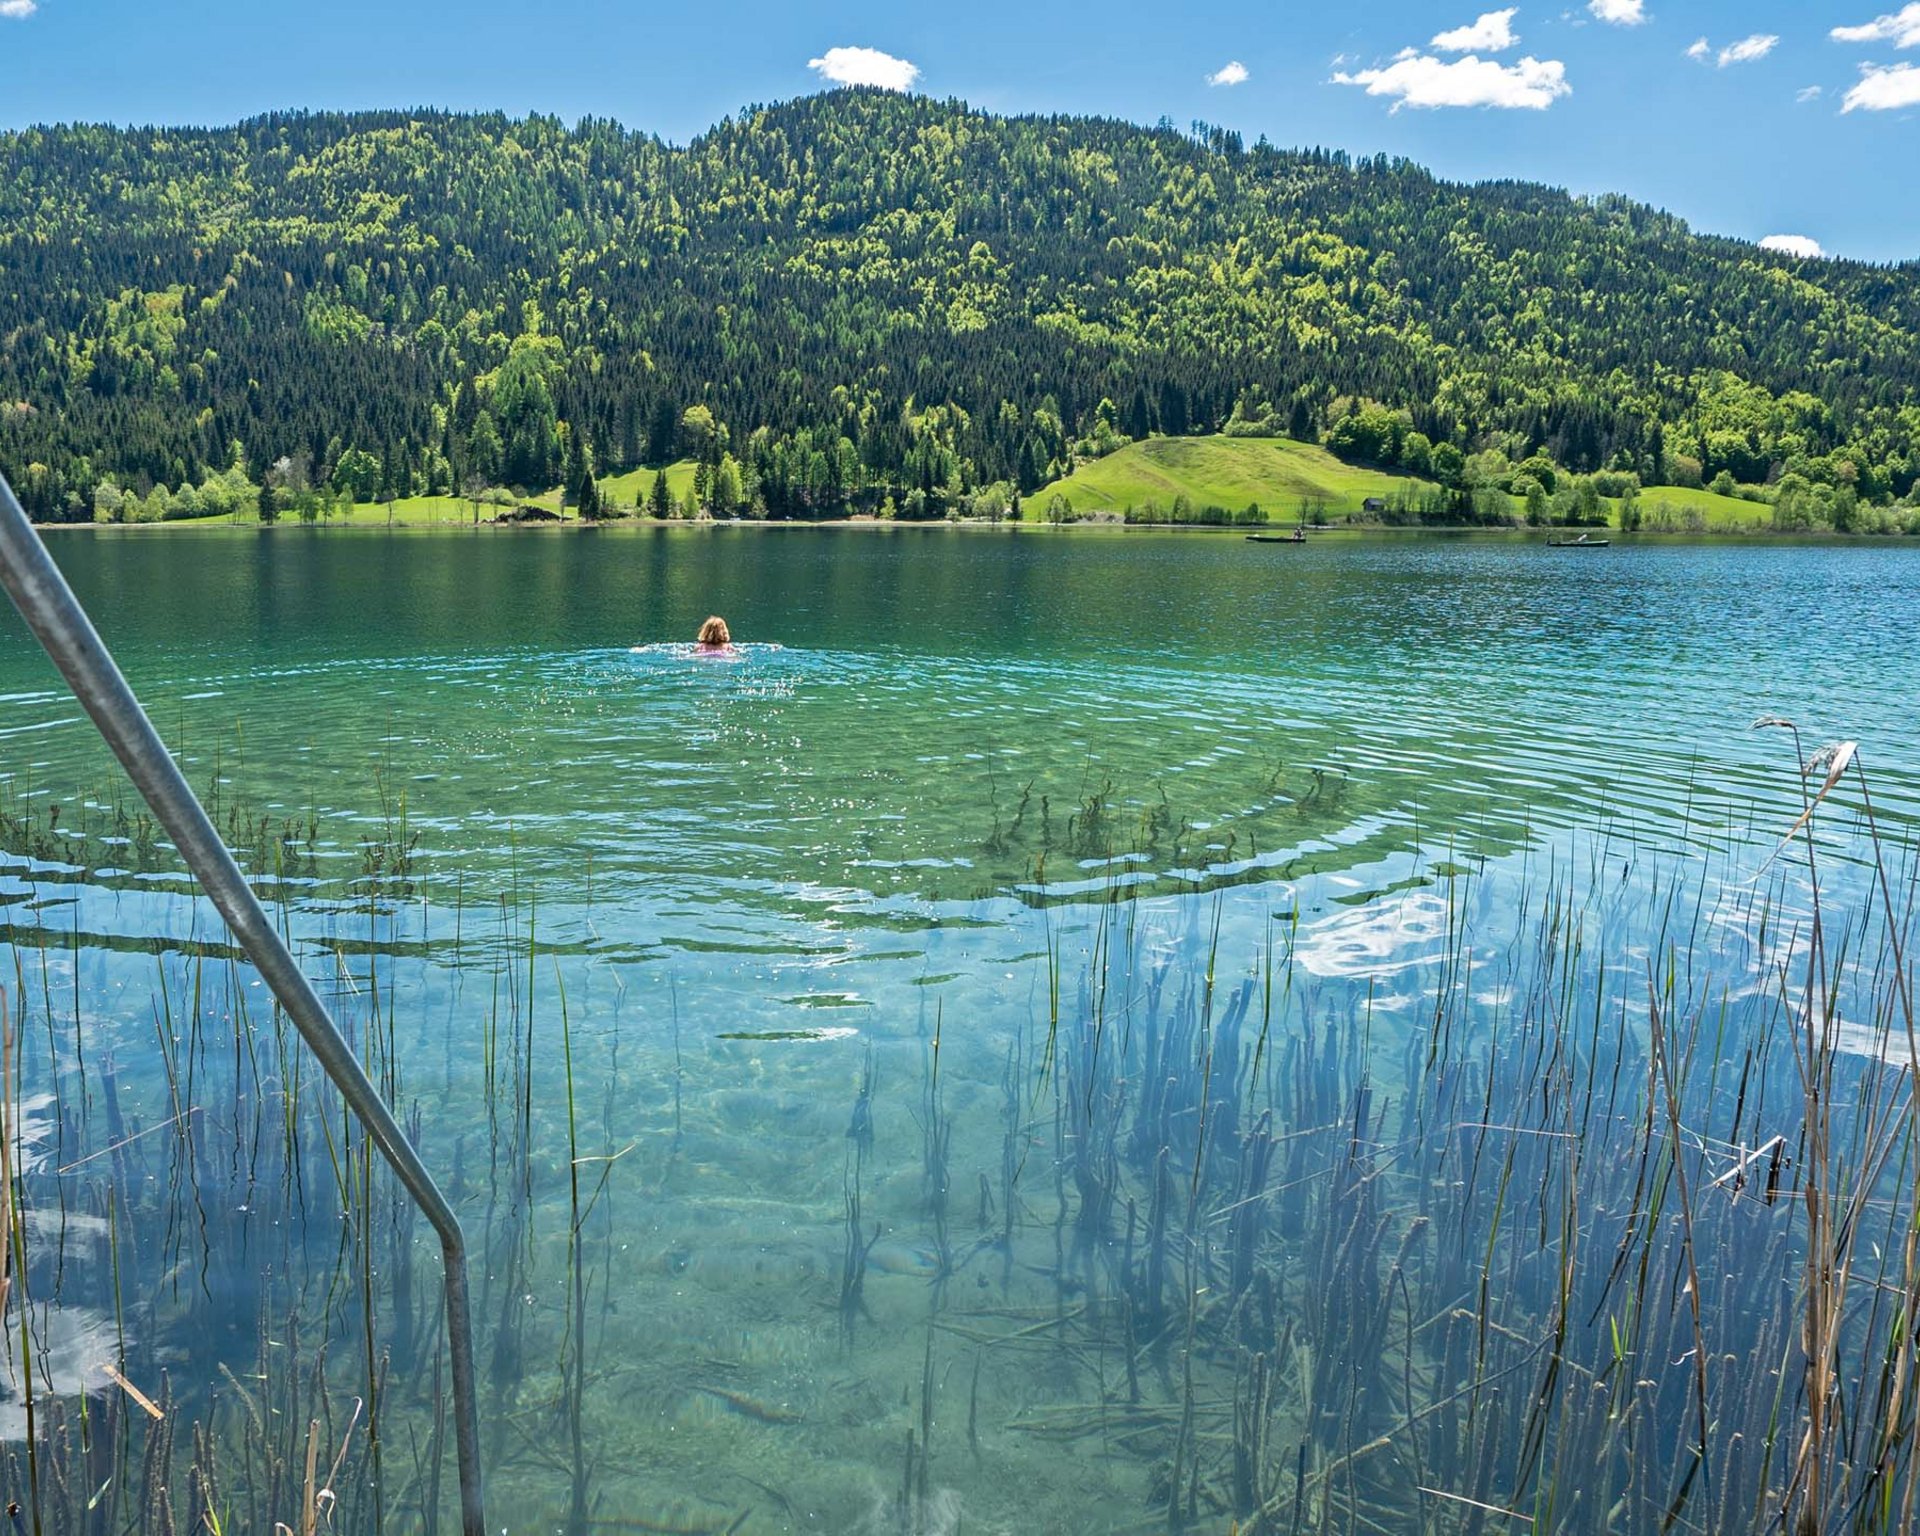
point(880, 302)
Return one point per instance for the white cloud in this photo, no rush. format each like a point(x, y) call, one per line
point(1229, 74)
point(1698, 49)
point(1421, 81)
point(1804, 246)
point(1622, 13)
point(1883, 90)
point(1492, 33)
point(17, 10)
point(1747, 49)
point(865, 66)
point(1902, 29)
point(1808, 93)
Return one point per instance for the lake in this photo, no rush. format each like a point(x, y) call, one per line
point(1068, 1031)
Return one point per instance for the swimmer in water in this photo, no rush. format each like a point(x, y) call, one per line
point(714, 637)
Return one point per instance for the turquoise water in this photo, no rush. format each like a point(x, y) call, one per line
point(1006, 904)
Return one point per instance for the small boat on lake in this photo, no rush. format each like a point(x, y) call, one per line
point(1583, 542)
point(1298, 536)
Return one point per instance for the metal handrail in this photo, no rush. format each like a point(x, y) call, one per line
point(61, 625)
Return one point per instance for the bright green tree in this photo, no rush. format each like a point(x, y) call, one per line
point(357, 473)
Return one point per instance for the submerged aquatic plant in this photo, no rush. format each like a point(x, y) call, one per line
point(1509, 1273)
point(1532, 1196)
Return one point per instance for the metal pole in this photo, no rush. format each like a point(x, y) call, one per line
point(61, 625)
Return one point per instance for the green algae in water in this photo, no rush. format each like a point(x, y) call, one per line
point(810, 1035)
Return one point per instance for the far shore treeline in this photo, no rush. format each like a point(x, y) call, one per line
point(877, 304)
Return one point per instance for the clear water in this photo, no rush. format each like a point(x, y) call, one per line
point(516, 828)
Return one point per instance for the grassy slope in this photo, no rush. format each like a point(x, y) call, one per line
point(1720, 512)
point(626, 491)
point(1278, 473)
point(1282, 475)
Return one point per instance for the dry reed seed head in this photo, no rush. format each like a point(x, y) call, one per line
point(1832, 759)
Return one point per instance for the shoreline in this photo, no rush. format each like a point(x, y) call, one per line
point(1339, 533)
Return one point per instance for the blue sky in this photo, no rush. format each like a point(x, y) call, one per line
point(1746, 117)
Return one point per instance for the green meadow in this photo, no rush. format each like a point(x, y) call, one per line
point(625, 493)
point(1684, 509)
point(1287, 478)
point(620, 493)
point(1284, 477)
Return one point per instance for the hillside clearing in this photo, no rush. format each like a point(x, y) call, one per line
point(1285, 479)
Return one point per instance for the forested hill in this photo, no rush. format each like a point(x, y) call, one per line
point(884, 296)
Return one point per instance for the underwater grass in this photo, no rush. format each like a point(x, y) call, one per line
point(1611, 1226)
